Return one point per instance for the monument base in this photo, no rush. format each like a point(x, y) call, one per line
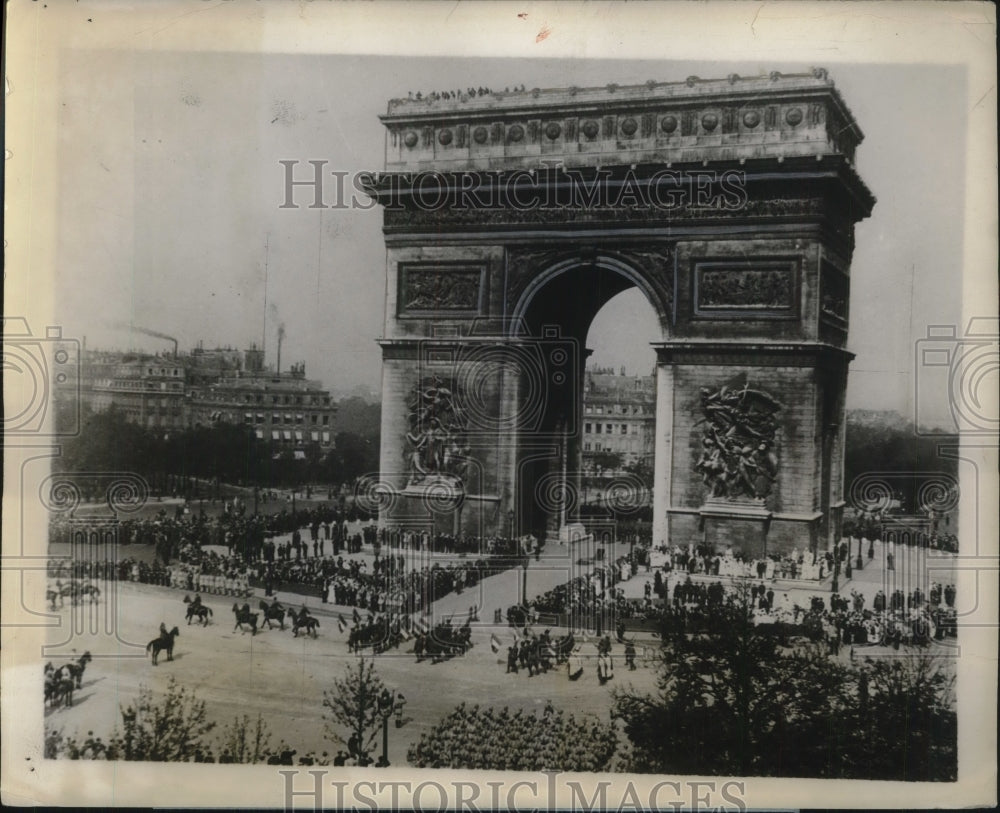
point(440, 505)
point(741, 525)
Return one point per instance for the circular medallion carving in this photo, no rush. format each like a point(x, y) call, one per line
point(669, 124)
point(751, 118)
point(589, 128)
point(515, 133)
point(793, 116)
point(709, 121)
point(444, 137)
point(410, 139)
point(480, 134)
point(552, 130)
point(629, 127)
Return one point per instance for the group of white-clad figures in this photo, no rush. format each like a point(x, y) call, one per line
point(188, 577)
point(806, 565)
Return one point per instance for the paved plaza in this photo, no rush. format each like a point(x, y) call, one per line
point(284, 677)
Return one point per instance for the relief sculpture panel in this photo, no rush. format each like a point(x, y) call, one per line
point(761, 289)
point(440, 288)
point(437, 441)
point(738, 456)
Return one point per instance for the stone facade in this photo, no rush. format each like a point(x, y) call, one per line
point(207, 387)
point(511, 219)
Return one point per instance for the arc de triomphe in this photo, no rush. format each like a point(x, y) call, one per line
point(511, 218)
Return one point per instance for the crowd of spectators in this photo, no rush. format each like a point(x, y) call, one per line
point(188, 557)
point(704, 560)
point(911, 618)
point(590, 599)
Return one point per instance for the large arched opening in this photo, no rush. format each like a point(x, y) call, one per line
point(564, 468)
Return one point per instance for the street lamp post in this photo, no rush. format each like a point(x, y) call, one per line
point(389, 706)
point(524, 580)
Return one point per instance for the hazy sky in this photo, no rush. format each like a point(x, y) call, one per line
point(171, 190)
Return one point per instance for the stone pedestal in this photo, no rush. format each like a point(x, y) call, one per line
point(738, 524)
point(441, 505)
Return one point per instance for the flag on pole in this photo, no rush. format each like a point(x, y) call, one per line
point(516, 637)
point(357, 616)
point(421, 626)
point(494, 643)
point(342, 622)
point(404, 633)
point(551, 651)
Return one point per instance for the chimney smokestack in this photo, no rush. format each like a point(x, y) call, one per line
point(281, 338)
point(147, 332)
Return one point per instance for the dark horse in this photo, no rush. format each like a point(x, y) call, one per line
point(166, 642)
point(303, 621)
point(58, 689)
point(244, 616)
point(75, 668)
point(197, 610)
point(60, 683)
point(273, 613)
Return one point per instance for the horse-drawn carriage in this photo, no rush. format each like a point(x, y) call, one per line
point(380, 634)
point(443, 642)
point(61, 682)
point(74, 590)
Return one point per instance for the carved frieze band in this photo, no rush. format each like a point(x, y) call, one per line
point(441, 288)
point(747, 289)
point(430, 217)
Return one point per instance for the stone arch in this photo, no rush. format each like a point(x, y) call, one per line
point(557, 303)
point(656, 295)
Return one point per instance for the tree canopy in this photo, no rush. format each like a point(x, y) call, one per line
point(731, 700)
